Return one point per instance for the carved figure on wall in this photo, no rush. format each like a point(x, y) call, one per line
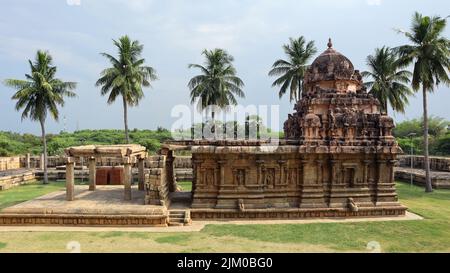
point(269, 177)
point(240, 177)
point(209, 177)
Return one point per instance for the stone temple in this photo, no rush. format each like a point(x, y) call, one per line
point(337, 158)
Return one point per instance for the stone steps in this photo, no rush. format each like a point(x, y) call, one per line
point(179, 217)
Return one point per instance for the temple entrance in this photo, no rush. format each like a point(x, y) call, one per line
point(179, 186)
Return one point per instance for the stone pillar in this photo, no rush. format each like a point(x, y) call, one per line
point(222, 171)
point(304, 164)
point(141, 164)
point(170, 171)
point(366, 172)
point(319, 180)
point(27, 161)
point(391, 165)
point(282, 164)
point(70, 179)
point(127, 178)
point(92, 173)
point(259, 177)
point(381, 168)
point(41, 162)
point(334, 171)
point(312, 195)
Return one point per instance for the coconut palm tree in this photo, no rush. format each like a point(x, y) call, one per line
point(217, 85)
point(389, 83)
point(41, 93)
point(292, 71)
point(126, 77)
point(429, 52)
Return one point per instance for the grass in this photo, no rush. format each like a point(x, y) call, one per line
point(180, 239)
point(429, 235)
point(185, 185)
point(26, 192)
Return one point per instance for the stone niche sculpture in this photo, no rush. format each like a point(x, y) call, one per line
point(337, 158)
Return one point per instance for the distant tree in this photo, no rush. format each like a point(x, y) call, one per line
point(41, 93)
point(429, 52)
point(389, 83)
point(437, 126)
point(292, 71)
point(126, 77)
point(217, 84)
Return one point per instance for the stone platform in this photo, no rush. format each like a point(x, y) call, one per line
point(103, 207)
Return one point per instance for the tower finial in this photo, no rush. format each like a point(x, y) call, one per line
point(330, 45)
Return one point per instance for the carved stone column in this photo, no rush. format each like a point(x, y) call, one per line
point(259, 174)
point(366, 172)
point(391, 165)
point(381, 168)
point(92, 170)
point(319, 166)
point(334, 172)
point(304, 164)
point(282, 179)
point(70, 179)
point(312, 195)
point(197, 174)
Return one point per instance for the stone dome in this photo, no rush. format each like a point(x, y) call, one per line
point(329, 66)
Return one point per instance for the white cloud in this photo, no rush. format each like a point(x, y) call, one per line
point(73, 2)
point(22, 49)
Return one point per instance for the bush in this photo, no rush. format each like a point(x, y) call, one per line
point(442, 145)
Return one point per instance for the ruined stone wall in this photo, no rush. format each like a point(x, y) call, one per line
point(14, 179)
point(436, 163)
point(156, 185)
point(9, 163)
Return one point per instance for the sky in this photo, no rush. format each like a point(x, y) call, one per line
point(174, 33)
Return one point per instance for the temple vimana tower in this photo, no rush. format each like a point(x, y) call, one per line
point(337, 158)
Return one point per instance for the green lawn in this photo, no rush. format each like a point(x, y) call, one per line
point(429, 235)
point(26, 192)
point(185, 185)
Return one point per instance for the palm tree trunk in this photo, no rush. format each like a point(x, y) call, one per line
point(213, 124)
point(426, 161)
point(44, 141)
point(125, 119)
point(300, 88)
